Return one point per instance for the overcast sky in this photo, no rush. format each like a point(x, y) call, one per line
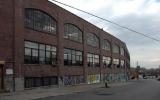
point(140, 15)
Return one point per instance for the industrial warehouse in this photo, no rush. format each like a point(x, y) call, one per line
point(42, 44)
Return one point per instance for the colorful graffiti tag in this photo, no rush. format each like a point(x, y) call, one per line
point(114, 77)
point(73, 80)
point(91, 79)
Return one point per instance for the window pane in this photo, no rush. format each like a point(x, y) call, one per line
point(106, 45)
point(48, 47)
point(122, 51)
point(28, 51)
point(92, 40)
point(115, 49)
point(48, 54)
point(35, 55)
point(31, 45)
point(39, 20)
point(72, 32)
point(34, 52)
point(42, 60)
point(79, 53)
point(53, 48)
point(72, 57)
point(73, 52)
point(65, 56)
point(42, 46)
point(67, 51)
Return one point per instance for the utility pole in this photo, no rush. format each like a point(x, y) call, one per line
point(137, 70)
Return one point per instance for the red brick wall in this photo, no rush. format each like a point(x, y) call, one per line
point(61, 16)
point(6, 33)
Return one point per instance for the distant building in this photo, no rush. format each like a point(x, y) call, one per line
point(41, 44)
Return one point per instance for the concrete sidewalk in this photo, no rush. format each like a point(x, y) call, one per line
point(52, 91)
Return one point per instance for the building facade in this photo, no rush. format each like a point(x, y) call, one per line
point(42, 44)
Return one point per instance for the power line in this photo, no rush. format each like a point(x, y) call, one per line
point(132, 30)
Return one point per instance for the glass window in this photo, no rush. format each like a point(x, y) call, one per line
point(106, 61)
point(42, 46)
point(30, 82)
point(28, 55)
point(115, 48)
point(122, 51)
point(36, 53)
point(106, 45)
point(31, 45)
point(39, 20)
point(53, 48)
point(72, 57)
point(93, 60)
point(72, 32)
point(122, 63)
point(92, 40)
point(116, 63)
point(27, 52)
point(42, 54)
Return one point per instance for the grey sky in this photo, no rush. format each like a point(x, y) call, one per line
point(140, 15)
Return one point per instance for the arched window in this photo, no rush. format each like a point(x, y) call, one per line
point(92, 40)
point(115, 48)
point(72, 32)
point(39, 21)
point(106, 45)
point(122, 51)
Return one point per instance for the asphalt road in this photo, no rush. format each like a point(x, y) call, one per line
point(138, 90)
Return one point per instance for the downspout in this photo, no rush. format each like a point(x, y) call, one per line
point(13, 45)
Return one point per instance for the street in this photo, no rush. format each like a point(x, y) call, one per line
point(138, 90)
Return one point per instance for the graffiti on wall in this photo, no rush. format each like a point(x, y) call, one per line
point(91, 79)
point(73, 80)
point(114, 77)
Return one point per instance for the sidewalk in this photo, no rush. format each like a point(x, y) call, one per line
point(52, 91)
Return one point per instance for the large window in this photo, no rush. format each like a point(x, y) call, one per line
point(93, 60)
point(36, 53)
point(106, 45)
point(122, 51)
point(106, 61)
point(73, 57)
point(122, 64)
point(72, 32)
point(116, 63)
point(115, 48)
point(92, 40)
point(40, 21)
point(40, 81)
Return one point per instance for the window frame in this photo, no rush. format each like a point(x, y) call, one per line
point(73, 28)
point(73, 54)
point(53, 60)
point(106, 62)
point(122, 51)
point(115, 49)
point(43, 14)
point(106, 47)
point(93, 60)
point(92, 40)
point(116, 62)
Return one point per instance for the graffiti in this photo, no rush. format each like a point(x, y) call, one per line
point(93, 79)
point(114, 77)
point(73, 80)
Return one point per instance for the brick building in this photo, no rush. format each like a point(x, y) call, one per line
point(42, 44)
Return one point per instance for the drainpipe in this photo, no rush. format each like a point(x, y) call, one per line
point(13, 46)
